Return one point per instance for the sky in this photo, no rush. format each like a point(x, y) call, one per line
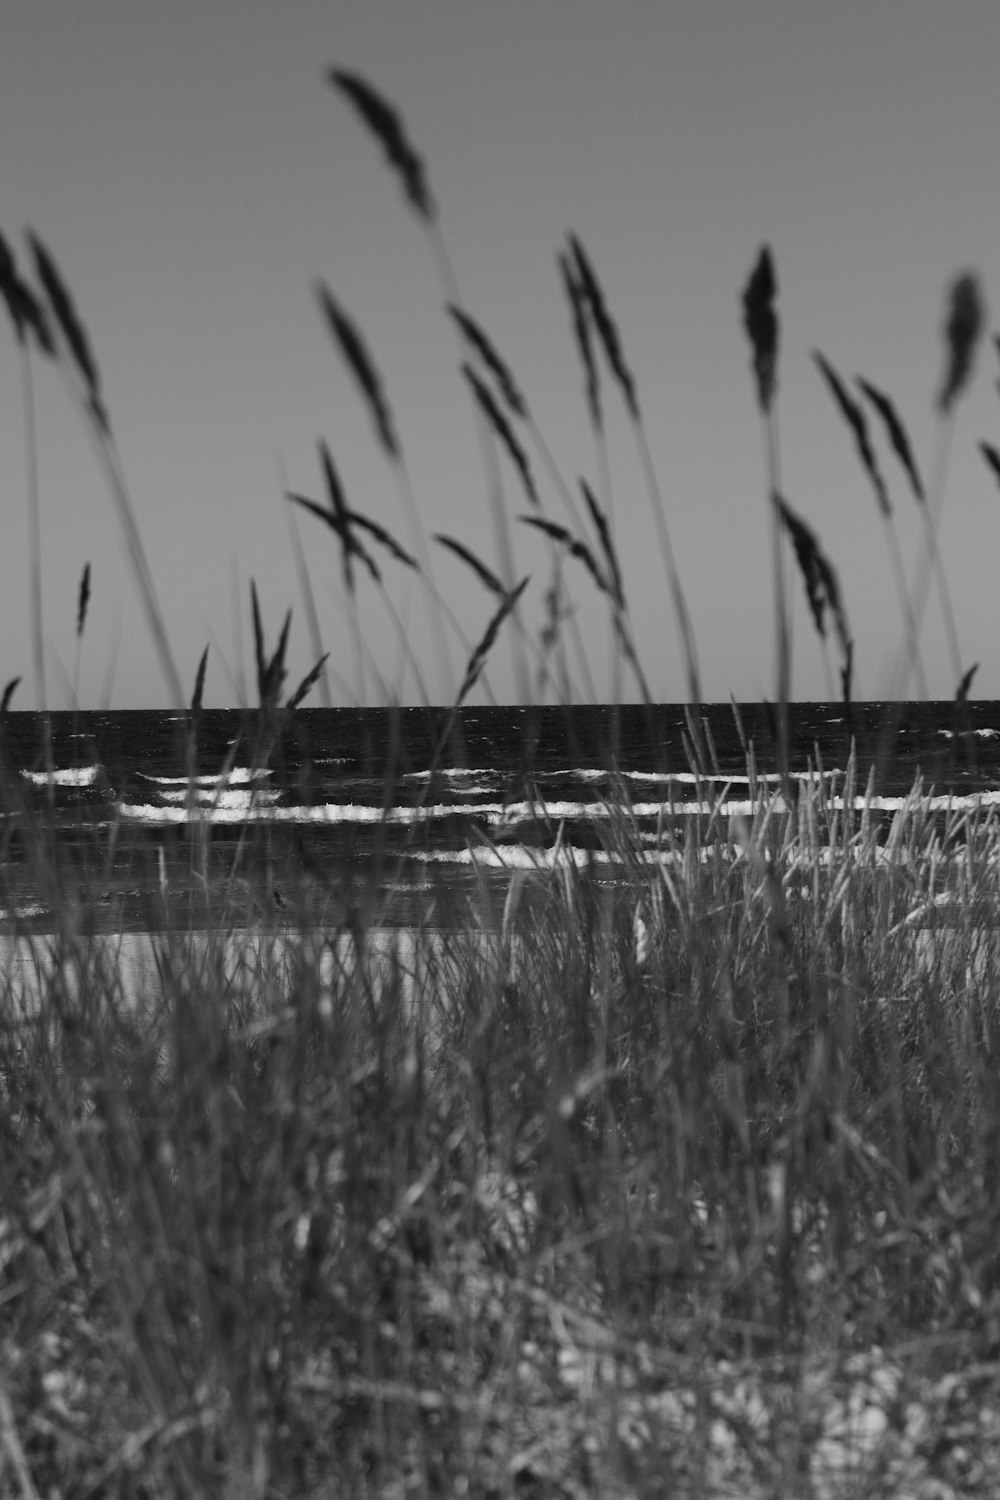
point(197, 178)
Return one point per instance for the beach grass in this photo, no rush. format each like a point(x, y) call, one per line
point(671, 1172)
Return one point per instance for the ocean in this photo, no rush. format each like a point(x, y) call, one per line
point(390, 797)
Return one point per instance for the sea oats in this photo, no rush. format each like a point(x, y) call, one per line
point(83, 599)
point(488, 578)
point(385, 123)
point(600, 521)
point(487, 352)
point(895, 432)
point(23, 306)
point(963, 328)
point(478, 658)
point(504, 431)
point(573, 545)
point(822, 586)
point(761, 323)
point(854, 416)
point(581, 329)
point(605, 325)
point(73, 331)
point(362, 366)
point(199, 683)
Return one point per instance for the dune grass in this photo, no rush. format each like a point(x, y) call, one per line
point(671, 1173)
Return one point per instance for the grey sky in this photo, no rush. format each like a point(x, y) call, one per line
point(195, 178)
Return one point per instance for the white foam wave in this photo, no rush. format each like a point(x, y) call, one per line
point(67, 776)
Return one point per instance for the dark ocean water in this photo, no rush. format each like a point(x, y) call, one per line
point(352, 789)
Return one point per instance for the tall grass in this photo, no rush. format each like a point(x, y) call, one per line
point(668, 1170)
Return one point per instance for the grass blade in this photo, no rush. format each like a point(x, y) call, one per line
point(8, 693)
point(386, 125)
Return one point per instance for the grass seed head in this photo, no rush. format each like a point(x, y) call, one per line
point(385, 123)
point(497, 366)
point(992, 457)
point(581, 329)
point(362, 367)
point(761, 323)
point(896, 433)
point(199, 683)
point(73, 331)
point(962, 332)
point(604, 323)
point(504, 432)
point(854, 416)
point(485, 575)
point(22, 304)
point(478, 658)
point(600, 521)
point(573, 545)
point(83, 599)
point(822, 584)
